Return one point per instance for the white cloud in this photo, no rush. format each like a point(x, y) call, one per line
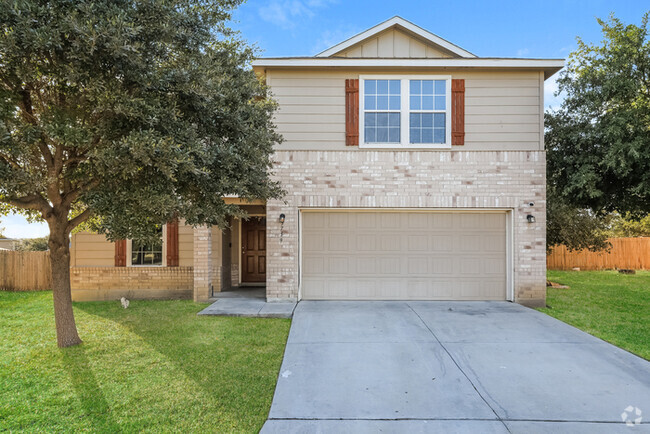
point(523, 52)
point(332, 37)
point(15, 226)
point(287, 13)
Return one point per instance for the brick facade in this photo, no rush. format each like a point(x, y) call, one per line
point(203, 267)
point(411, 179)
point(112, 283)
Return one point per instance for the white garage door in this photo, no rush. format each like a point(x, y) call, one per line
point(403, 256)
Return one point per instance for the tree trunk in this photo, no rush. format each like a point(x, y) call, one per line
point(59, 244)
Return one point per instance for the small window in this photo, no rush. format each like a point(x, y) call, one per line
point(408, 111)
point(148, 253)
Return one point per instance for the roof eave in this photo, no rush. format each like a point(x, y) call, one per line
point(549, 66)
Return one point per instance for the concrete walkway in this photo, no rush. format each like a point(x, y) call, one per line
point(247, 303)
point(451, 367)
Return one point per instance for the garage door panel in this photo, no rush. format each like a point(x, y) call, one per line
point(338, 242)
point(441, 221)
point(366, 243)
point(389, 220)
point(404, 255)
point(391, 242)
point(441, 243)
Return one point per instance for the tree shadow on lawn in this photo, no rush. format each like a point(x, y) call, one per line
point(87, 389)
point(234, 361)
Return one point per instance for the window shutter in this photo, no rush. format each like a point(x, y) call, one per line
point(172, 243)
point(457, 112)
point(120, 253)
point(352, 112)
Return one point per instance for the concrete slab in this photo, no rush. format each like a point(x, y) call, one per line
point(370, 366)
point(249, 307)
point(243, 292)
point(277, 310)
point(350, 321)
point(383, 426)
point(526, 427)
point(373, 381)
point(494, 322)
point(556, 381)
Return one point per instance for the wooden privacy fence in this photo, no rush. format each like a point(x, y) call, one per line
point(25, 271)
point(632, 253)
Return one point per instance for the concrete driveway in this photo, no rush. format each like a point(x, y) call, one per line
point(493, 367)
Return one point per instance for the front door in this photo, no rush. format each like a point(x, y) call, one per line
point(253, 257)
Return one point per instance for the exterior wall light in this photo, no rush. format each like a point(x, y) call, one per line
point(530, 218)
point(281, 218)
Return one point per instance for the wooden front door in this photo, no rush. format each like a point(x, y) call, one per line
point(253, 256)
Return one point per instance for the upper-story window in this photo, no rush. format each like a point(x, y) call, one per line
point(405, 111)
point(148, 253)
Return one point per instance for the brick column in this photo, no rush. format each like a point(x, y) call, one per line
point(202, 263)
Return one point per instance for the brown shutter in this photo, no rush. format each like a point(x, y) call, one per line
point(457, 112)
point(172, 243)
point(120, 253)
point(352, 112)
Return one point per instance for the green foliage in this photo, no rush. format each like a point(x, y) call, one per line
point(154, 367)
point(628, 226)
point(131, 112)
point(612, 306)
point(574, 227)
point(598, 142)
point(32, 244)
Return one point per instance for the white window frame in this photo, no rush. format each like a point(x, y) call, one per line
point(405, 109)
point(129, 251)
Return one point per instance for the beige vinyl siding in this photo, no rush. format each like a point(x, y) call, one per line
point(393, 44)
point(503, 109)
point(94, 250)
point(91, 250)
point(185, 245)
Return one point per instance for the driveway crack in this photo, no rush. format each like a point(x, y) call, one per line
point(459, 368)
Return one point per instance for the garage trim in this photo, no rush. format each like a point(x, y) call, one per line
point(509, 217)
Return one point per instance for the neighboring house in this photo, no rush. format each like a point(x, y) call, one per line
point(8, 243)
point(414, 170)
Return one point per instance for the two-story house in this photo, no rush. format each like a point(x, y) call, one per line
point(414, 170)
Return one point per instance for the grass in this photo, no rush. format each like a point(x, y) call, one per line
point(614, 307)
point(155, 366)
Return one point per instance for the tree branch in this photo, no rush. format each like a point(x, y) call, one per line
point(80, 218)
point(33, 201)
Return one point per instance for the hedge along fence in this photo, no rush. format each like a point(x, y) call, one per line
point(630, 253)
point(25, 271)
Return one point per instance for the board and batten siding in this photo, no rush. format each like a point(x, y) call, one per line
point(393, 44)
point(503, 109)
point(94, 250)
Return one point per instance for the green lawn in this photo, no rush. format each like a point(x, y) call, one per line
point(614, 307)
point(155, 366)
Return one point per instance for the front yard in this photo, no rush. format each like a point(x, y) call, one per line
point(614, 307)
point(155, 366)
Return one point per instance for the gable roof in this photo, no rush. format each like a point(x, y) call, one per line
point(453, 57)
point(404, 25)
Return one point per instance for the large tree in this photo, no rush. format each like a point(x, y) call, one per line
point(126, 114)
point(598, 142)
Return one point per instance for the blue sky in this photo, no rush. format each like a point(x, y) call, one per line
point(523, 28)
